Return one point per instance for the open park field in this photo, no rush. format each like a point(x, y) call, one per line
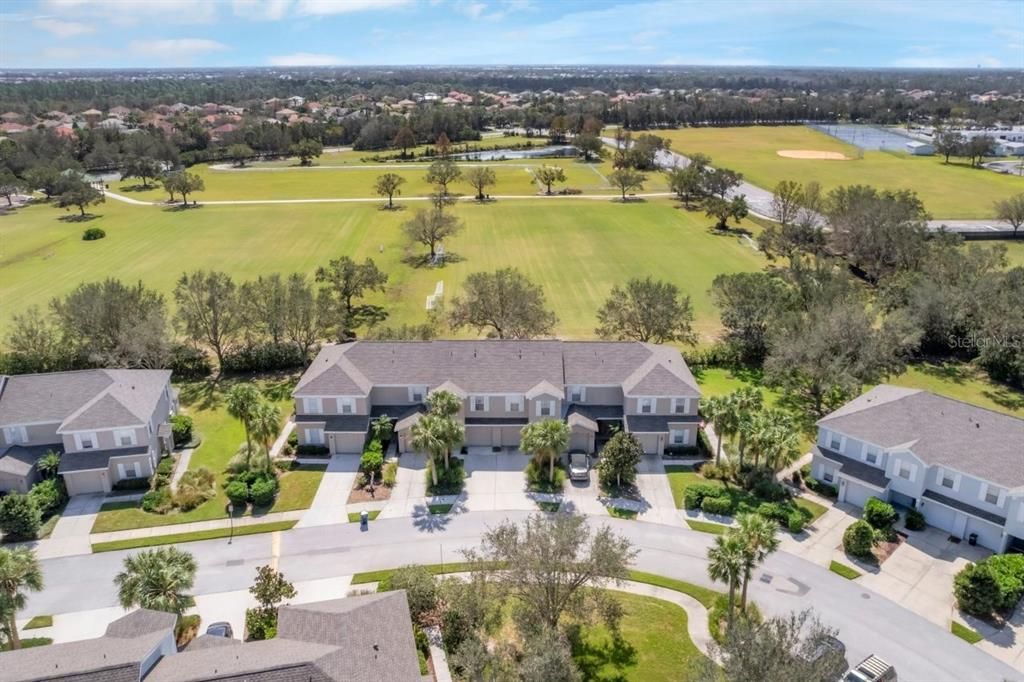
point(948, 191)
point(576, 250)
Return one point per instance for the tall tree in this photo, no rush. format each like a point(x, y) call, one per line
point(619, 459)
point(545, 440)
point(726, 561)
point(750, 302)
point(590, 146)
point(549, 175)
point(19, 572)
point(157, 579)
point(81, 194)
point(759, 538)
point(404, 139)
point(388, 185)
point(307, 149)
point(443, 145)
point(714, 409)
point(787, 199)
point(242, 402)
point(10, 185)
point(208, 310)
point(344, 283)
point(1012, 211)
point(504, 302)
point(144, 168)
point(112, 324)
point(265, 423)
point(627, 180)
point(480, 178)
point(647, 310)
point(430, 435)
point(305, 320)
point(443, 173)
point(948, 143)
point(718, 182)
point(430, 228)
point(747, 401)
point(554, 565)
point(34, 344)
point(688, 181)
point(723, 210)
point(263, 304)
point(239, 154)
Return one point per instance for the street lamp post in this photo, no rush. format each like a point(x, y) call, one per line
point(231, 522)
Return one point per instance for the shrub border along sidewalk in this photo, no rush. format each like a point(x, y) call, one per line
point(195, 536)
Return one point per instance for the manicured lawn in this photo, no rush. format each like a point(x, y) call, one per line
point(621, 513)
point(353, 517)
point(965, 633)
point(39, 622)
point(28, 643)
point(705, 595)
point(548, 506)
point(222, 434)
point(844, 570)
point(563, 246)
point(811, 506)
point(948, 191)
point(436, 569)
point(680, 477)
point(1015, 251)
point(705, 527)
point(654, 644)
point(177, 538)
point(440, 508)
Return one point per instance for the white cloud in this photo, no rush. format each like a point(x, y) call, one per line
point(305, 59)
point(62, 29)
point(473, 10)
point(266, 10)
point(175, 50)
point(133, 12)
point(326, 7)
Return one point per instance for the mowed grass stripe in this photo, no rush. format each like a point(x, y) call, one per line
point(575, 250)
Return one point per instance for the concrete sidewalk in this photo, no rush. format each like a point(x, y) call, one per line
point(213, 524)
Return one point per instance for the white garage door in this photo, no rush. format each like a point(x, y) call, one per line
point(855, 493)
point(989, 535)
point(479, 436)
point(939, 516)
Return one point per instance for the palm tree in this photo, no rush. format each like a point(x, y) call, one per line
point(453, 434)
point(758, 535)
point(382, 428)
point(444, 403)
point(727, 422)
point(19, 570)
point(547, 438)
point(778, 438)
point(713, 408)
point(241, 400)
point(430, 435)
point(157, 579)
point(747, 401)
point(265, 423)
point(725, 563)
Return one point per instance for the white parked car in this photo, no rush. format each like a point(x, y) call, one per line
point(579, 466)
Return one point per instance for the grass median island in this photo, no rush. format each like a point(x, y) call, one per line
point(440, 508)
point(177, 538)
point(948, 191)
point(39, 622)
point(354, 517)
point(844, 570)
point(965, 633)
point(706, 527)
point(622, 513)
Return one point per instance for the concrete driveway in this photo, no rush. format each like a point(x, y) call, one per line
point(71, 534)
point(410, 489)
point(495, 480)
point(329, 504)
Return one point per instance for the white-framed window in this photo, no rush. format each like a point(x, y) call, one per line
point(835, 441)
point(124, 437)
point(679, 437)
point(85, 441)
point(478, 403)
point(15, 435)
point(827, 476)
point(513, 403)
point(346, 405)
point(680, 405)
point(870, 455)
point(417, 393)
point(646, 405)
point(129, 470)
point(947, 481)
point(903, 470)
point(992, 496)
point(577, 394)
point(312, 405)
point(545, 408)
point(315, 436)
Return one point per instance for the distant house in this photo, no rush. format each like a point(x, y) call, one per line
point(111, 424)
point(960, 465)
point(92, 115)
point(10, 117)
point(918, 148)
point(12, 128)
point(119, 112)
point(285, 114)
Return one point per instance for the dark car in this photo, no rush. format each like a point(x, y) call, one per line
point(221, 629)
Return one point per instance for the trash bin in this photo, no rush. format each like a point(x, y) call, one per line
point(972, 539)
point(364, 517)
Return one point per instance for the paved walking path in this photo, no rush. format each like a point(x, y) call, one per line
point(195, 526)
point(282, 439)
point(180, 467)
point(332, 496)
point(442, 673)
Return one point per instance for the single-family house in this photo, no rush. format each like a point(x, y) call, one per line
point(110, 424)
point(596, 387)
point(960, 465)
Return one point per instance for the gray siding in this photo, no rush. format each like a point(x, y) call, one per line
point(38, 434)
point(661, 406)
point(390, 395)
point(601, 395)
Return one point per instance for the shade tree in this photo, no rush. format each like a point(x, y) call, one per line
point(504, 303)
point(647, 310)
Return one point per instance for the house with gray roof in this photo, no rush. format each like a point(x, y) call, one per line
point(644, 388)
point(356, 639)
point(960, 465)
point(109, 425)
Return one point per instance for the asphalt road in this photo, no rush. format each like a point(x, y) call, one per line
point(867, 622)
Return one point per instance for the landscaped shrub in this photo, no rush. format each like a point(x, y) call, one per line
point(977, 590)
point(717, 505)
point(187, 498)
point(181, 429)
point(188, 362)
point(157, 501)
point(881, 515)
point(694, 494)
point(770, 491)
point(20, 518)
point(48, 495)
point(263, 357)
point(186, 629)
point(421, 589)
point(195, 487)
point(718, 616)
point(237, 492)
point(758, 476)
point(165, 466)
point(538, 478)
point(915, 520)
point(311, 450)
point(774, 511)
point(1009, 572)
point(261, 623)
point(721, 472)
point(372, 460)
point(262, 492)
point(823, 489)
point(93, 233)
point(449, 481)
point(390, 475)
point(859, 539)
point(796, 522)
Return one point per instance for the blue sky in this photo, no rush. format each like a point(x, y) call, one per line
point(166, 33)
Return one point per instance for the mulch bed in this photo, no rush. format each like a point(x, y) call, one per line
point(883, 550)
point(378, 494)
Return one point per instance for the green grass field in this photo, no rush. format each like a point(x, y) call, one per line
point(177, 538)
point(948, 191)
point(575, 250)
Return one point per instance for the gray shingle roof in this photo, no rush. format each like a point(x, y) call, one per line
point(96, 459)
point(657, 423)
point(342, 423)
point(939, 430)
point(596, 412)
point(19, 459)
point(496, 366)
point(84, 399)
point(855, 468)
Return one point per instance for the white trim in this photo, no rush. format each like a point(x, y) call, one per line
point(518, 399)
point(422, 390)
point(648, 401)
point(672, 436)
point(982, 491)
point(577, 388)
point(11, 431)
point(932, 500)
point(550, 404)
point(132, 440)
point(92, 439)
point(313, 405)
point(485, 406)
point(858, 481)
point(342, 402)
point(1001, 500)
point(675, 404)
point(318, 440)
